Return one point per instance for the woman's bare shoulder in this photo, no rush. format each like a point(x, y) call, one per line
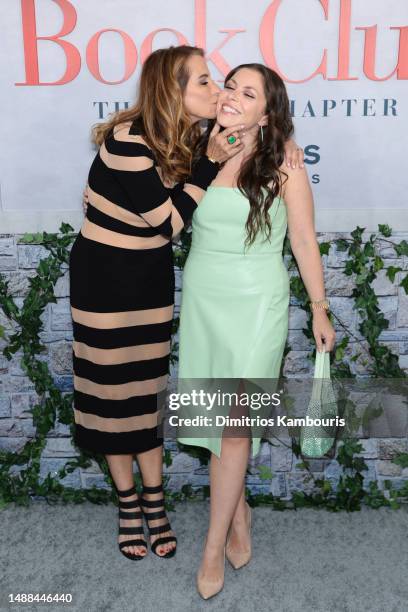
point(293, 179)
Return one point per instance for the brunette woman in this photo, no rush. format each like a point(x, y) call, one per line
point(235, 295)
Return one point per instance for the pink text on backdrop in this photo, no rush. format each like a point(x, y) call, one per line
point(267, 36)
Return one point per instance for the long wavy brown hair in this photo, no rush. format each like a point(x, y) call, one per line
point(159, 109)
point(260, 179)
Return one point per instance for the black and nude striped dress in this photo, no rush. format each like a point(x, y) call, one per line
point(122, 294)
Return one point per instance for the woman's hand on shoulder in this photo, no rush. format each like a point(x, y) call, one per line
point(218, 148)
point(294, 155)
point(294, 179)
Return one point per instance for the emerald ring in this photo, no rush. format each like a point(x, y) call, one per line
point(231, 139)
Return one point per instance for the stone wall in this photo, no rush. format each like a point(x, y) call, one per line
point(17, 395)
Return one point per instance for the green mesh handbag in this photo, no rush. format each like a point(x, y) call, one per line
point(317, 440)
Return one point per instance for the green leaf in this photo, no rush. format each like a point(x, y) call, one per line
point(362, 277)
point(378, 263)
point(327, 487)
point(27, 238)
point(167, 458)
point(357, 233)
point(32, 238)
point(385, 230)
point(391, 272)
point(371, 412)
point(401, 248)
point(265, 472)
point(341, 244)
point(404, 283)
point(65, 228)
point(368, 250)
point(339, 353)
point(401, 459)
point(324, 248)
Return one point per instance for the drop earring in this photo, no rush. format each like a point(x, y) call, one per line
point(261, 133)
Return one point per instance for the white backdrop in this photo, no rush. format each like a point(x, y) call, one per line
point(352, 125)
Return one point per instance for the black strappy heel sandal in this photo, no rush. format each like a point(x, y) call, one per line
point(153, 516)
point(130, 530)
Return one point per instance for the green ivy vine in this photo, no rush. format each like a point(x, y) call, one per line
point(20, 471)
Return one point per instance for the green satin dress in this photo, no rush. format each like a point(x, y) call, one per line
point(235, 302)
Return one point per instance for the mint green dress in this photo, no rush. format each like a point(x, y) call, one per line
point(235, 302)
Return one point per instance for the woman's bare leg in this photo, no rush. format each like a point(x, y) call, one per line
point(121, 469)
point(227, 477)
point(239, 537)
point(151, 469)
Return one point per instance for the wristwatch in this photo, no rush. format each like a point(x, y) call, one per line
point(320, 305)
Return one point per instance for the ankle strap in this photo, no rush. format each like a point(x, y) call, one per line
point(157, 489)
point(126, 493)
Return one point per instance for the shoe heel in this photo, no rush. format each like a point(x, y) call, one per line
point(238, 559)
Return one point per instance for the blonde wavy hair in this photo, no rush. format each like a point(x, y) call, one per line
point(165, 125)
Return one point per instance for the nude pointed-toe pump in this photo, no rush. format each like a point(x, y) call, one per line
point(209, 588)
point(239, 559)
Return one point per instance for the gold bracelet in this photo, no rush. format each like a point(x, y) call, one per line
point(320, 305)
point(212, 160)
